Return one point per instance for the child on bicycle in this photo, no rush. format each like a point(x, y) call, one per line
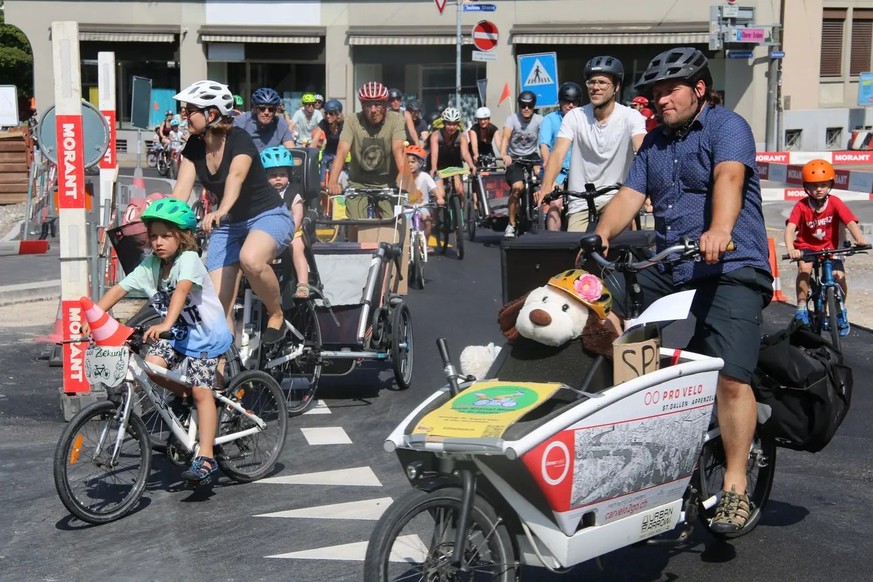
point(424, 185)
point(179, 289)
point(816, 223)
point(277, 161)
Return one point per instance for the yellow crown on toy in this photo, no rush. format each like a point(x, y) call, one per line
point(585, 288)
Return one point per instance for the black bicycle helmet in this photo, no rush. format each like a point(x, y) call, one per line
point(605, 66)
point(570, 92)
point(527, 98)
point(683, 63)
point(394, 94)
point(413, 105)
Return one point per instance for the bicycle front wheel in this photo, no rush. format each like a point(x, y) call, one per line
point(98, 478)
point(414, 539)
point(251, 457)
point(416, 277)
point(470, 215)
point(304, 371)
point(831, 301)
point(458, 226)
point(760, 469)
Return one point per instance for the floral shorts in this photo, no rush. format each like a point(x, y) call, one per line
point(201, 371)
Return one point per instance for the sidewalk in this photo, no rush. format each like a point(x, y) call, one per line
point(29, 278)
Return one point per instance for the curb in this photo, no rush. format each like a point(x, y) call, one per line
point(30, 292)
point(14, 233)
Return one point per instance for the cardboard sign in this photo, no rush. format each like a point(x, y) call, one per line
point(636, 353)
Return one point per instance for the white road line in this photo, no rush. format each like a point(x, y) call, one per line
point(409, 549)
point(327, 435)
point(319, 408)
point(356, 477)
point(367, 509)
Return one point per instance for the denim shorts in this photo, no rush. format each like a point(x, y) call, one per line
point(226, 241)
point(727, 309)
point(201, 371)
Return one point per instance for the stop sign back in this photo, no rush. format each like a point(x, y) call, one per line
point(485, 35)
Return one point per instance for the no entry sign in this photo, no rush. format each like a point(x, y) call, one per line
point(485, 35)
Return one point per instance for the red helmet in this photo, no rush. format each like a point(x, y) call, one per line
point(416, 151)
point(640, 100)
point(818, 171)
point(373, 91)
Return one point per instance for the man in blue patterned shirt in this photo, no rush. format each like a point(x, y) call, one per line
point(699, 170)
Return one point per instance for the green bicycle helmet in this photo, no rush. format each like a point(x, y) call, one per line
point(276, 157)
point(308, 98)
point(238, 100)
point(172, 211)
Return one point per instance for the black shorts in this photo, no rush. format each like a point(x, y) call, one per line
point(514, 173)
point(728, 310)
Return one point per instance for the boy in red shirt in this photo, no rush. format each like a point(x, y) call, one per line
point(817, 221)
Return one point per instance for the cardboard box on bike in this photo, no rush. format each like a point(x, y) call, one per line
point(636, 353)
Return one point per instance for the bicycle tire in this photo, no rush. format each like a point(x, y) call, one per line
point(86, 487)
point(162, 166)
point(402, 346)
point(710, 477)
point(173, 170)
point(831, 306)
point(416, 278)
point(304, 371)
point(397, 549)
point(151, 160)
point(445, 228)
point(471, 219)
point(252, 457)
point(458, 227)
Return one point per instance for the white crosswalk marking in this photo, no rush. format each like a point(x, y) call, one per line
point(319, 408)
point(409, 549)
point(356, 477)
point(327, 435)
point(367, 509)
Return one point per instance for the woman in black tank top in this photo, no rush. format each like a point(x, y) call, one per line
point(449, 147)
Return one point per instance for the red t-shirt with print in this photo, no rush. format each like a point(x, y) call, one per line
point(817, 231)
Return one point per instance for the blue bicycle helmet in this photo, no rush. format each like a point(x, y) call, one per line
point(333, 105)
point(171, 210)
point(276, 157)
point(174, 123)
point(265, 96)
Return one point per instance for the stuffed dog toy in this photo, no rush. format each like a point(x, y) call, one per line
point(573, 304)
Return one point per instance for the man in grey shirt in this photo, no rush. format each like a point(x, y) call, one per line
point(266, 128)
point(520, 136)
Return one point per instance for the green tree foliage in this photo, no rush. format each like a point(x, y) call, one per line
point(16, 59)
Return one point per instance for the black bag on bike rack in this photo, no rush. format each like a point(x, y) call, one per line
point(803, 380)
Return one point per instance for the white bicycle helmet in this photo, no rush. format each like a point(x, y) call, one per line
point(451, 115)
point(203, 94)
point(483, 113)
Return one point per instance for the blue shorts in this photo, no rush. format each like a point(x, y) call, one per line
point(226, 241)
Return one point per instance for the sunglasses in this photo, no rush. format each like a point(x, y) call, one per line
point(372, 104)
point(527, 106)
point(269, 108)
point(331, 112)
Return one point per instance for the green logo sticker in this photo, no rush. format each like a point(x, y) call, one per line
point(495, 400)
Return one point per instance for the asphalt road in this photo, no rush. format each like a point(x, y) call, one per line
point(289, 527)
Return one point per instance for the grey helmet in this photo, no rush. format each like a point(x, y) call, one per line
point(684, 63)
point(605, 65)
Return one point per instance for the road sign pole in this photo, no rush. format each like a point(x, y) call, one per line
point(71, 198)
point(460, 41)
point(106, 104)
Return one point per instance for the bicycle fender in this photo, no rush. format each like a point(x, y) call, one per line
point(433, 483)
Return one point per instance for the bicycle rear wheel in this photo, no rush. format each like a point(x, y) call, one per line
point(251, 457)
point(91, 484)
point(472, 218)
point(760, 469)
point(443, 228)
point(458, 227)
point(831, 305)
point(300, 376)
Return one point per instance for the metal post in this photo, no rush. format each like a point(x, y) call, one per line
point(459, 39)
point(772, 81)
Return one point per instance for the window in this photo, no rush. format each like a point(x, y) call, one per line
point(832, 42)
point(862, 41)
point(793, 139)
point(834, 138)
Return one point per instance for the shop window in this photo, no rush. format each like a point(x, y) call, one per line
point(834, 138)
point(793, 138)
point(862, 41)
point(832, 42)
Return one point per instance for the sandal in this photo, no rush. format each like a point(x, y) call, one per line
point(733, 512)
point(302, 291)
point(202, 468)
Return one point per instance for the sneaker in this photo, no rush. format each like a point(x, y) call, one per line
point(509, 232)
point(802, 315)
point(732, 513)
point(843, 323)
point(199, 471)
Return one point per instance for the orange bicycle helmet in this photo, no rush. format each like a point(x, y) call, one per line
point(417, 151)
point(818, 171)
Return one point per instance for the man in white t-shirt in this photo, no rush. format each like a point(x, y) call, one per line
point(604, 136)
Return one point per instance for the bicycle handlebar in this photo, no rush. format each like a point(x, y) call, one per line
point(592, 246)
point(590, 192)
point(849, 251)
point(371, 192)
point(527, 160)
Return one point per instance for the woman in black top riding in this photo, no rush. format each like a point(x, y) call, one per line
point(251, 225)
point(328, 138)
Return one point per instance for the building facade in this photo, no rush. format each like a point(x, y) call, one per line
point(332, 47)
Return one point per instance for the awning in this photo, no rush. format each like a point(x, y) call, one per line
point(128, 32)
point(408, 36)
point(126, 37)
point(263, 34)
point(616, 34)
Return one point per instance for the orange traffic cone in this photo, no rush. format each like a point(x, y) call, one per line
point(105, 330)
point(774, 268)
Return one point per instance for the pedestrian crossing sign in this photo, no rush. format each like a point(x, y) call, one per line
point(539, 73)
